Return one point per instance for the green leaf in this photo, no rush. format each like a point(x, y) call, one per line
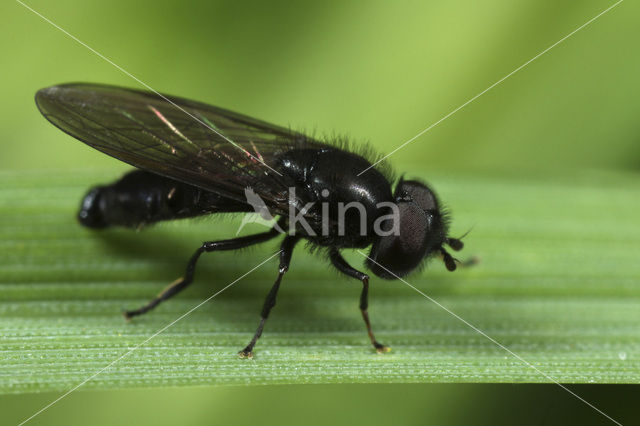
point(558, 283)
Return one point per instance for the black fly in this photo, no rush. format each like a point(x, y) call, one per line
point(195, 159)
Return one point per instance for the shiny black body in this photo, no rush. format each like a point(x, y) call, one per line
point(194, 159)
point(142, 198)
point(336, 172)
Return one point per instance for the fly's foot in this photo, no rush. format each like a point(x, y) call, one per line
point(245, 353)
point(381, 349)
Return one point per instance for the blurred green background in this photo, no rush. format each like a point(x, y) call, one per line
point(379, 72)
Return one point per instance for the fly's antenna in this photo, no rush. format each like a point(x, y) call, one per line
point(466, 233)
point(452, 263)
point(448, 260)
point(456, 243)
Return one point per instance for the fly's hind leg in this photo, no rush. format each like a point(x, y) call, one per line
point(181, 283)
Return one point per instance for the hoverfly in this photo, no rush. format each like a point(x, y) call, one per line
point(194, 159)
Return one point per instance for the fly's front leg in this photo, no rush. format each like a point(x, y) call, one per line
point(286, 250)
point(338, 261)
point(181, 283)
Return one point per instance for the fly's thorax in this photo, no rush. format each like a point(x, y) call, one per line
point(344, 204)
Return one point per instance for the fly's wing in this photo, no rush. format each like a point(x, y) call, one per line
point(202, 145)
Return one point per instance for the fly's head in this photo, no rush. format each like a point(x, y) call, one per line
point(421, 232)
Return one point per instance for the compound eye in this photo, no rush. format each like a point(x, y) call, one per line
point(419, 194)
point(400, 253)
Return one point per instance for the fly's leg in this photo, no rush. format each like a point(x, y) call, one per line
point(285, 259)
point(181, 283)
point(338, 261)
point(364, 304)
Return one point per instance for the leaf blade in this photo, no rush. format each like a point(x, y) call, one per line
point(558, 284)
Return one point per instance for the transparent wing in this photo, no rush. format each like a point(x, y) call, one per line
point(202, 145)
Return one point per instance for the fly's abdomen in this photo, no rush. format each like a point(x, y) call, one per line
point(141, 198)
